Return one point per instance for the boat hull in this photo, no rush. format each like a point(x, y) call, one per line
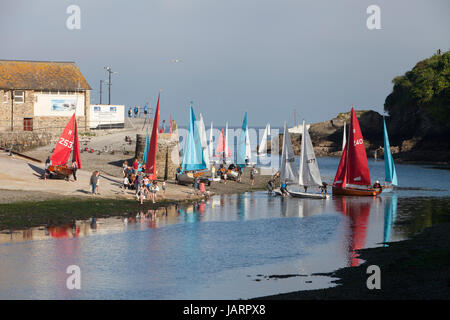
point(61, 170)
point(355, 192)
point(187, 178)
point(308, 195)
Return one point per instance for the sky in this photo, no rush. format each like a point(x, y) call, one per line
point(264, 57)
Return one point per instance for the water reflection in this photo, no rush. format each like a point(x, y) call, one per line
point(226, 240)
point(357, 210)
point(390, 213)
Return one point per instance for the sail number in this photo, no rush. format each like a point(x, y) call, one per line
point(65, 143)
point(357, 142)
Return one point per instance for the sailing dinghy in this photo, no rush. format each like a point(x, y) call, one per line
point(288, 170)
point(353, 176)
point(309, 174)
point(193, 164)
point(67, 143)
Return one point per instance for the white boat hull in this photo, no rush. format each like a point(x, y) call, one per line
point(308, 195)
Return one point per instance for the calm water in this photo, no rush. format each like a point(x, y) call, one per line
point(223, 248)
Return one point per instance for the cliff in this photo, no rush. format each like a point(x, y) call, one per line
point(418, 123)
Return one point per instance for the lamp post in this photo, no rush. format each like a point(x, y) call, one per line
point(101, 86)
point(109, 70)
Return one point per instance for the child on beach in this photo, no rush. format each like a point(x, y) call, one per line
point(141, 194)
point(125, 183)
point(97, 190)
point(252, 175)
point(202, 188)
point(154, 190)
point(164, 188)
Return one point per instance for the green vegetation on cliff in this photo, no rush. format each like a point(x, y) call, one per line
point(425, 88)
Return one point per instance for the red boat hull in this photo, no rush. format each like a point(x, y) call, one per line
point(355, 192)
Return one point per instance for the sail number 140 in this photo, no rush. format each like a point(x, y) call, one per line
point(66, 143)
point(357, 142)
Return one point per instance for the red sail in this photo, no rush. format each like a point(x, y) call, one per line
point(76, 147)
point(341, 175)
point(357, 166)
point(64, 145)
point(220, 145)
point(150, 166)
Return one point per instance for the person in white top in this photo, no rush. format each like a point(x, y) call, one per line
point(155, 189)
point(126, 182)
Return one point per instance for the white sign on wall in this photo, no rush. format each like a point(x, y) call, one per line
point(59, 105)
point(105, 114)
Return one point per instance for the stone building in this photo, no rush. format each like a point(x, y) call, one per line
point(41, 96)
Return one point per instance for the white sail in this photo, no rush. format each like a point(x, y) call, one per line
point(211, 146)
point(309, 174)
point(344, 138)
point(227, 151)
point(202, 132)
point(288, 170)
point(248, 150)
point(263, 145)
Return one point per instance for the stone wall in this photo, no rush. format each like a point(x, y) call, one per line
point(26, 110)
point(167, 154)
point(25, 140)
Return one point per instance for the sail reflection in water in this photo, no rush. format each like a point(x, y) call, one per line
point(358, 211)
point(390, 212)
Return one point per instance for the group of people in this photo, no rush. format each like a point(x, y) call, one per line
point(134, 178)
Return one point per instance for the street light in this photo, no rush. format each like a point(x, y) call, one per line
point(109, 70)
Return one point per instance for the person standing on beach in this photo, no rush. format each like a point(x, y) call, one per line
point(48, 163)
point(93, 181)
point(135, 166)
point(97, 190)
point(136, 111)
point(164, 188)
point(125, 183)
point(252, 175)
point(74, 170)
point(125, 168)
point(155, 189)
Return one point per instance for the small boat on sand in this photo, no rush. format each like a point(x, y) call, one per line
point(67, 143)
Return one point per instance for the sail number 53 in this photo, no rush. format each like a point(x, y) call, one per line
point(66, 143)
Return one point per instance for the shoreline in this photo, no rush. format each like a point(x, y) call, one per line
point(415, 268)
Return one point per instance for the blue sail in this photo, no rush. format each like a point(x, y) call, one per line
point(390, 212)
point(147, 141)
point(242, 144)
point(389, 167)
point(193, 152)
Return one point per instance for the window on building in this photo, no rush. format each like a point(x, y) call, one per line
point(27, 124)
point(19, 96)
point(5, 96)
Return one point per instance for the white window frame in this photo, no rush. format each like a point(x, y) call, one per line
point(5, 96)
point(17, 96)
